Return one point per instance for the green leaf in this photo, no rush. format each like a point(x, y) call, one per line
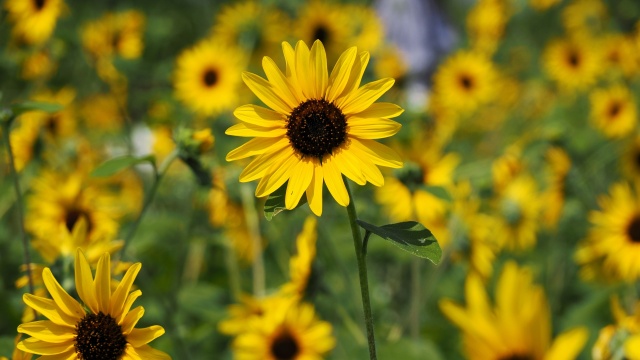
point(409, 236)
point(275, 202)
point(27, 106)
point(438, 191)
point(117, 164)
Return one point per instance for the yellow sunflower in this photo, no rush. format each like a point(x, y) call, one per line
point(326, 22)
point(620, 54)
point(631, 159)
point(366, 27)
point(542, 5)
point(465, 81)
point(300, 265)
point(486, 22)
point(57, 125)
point(292, 332)
point(506, 168)
point(584, 16)
point(248, 313)
point(115, 34)
point(621, 339)
point(38, 65)
point(33, 20)
point(612, 247)
point(574, 64)
point(206, 77)
point(104, 328)
point(613, 111)
point(517, 210)
point(559, 164)
point(321, 126)
point(517, 327)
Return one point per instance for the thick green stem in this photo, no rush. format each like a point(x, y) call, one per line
point(253, 225)
point(16, 186)
point(362, 272)
point(159, 174)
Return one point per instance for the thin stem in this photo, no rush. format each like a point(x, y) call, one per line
point(253, 225)
point(158, 175)
point(231, 262)
point(16, 186)
point(362, 271)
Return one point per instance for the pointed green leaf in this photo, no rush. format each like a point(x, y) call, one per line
point(117, 164)
point(275, 202)
point(438, 191)
point(409, 236)
point(27, 106)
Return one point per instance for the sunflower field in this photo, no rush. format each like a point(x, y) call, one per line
point(306, 180)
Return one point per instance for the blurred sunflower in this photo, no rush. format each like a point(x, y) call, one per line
point(517, 210)
point(573, 63)
point(558, 164)
point(33, 20)
point(103, 112)
point(322, 126)
point(104, 328)
point(248, 313)
point(619, 340)
point(542, 5)
point(612, 246)
point(115, 34)
point(58, 125)
point(486, 22)
point(584, 16)
point(506, 168)
point(292, 332)
point(517, 327)
point(23, 138)
point(613, 111)
point(300, 265)
point(367, 28)
point(324, 21)
point(620, 54)
point(465, 81)
point(205, 77)
point(252, 26)
point(38, 65)
point(631, 159)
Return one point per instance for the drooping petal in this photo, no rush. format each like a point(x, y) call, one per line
point(257, 146)
point(64, 301)
point(131, 319)
point(277, 174)
point(139, 337)
point(48, 331)
point(365, 96)
point(350, 166)
point(568, 345)
point(249, 130)
point(144, 352)
point(378, 153)
point(318, 66)
point(359, 65)
point(372, 128)
point(258, 167)
point(279, 82)
point(302, 69)
point(264, 91)
point(49, 309)
point(371, 172)
point(380, 110)
point(39, 347)
point(314, 190)
point(335, 184)
point(340, 74)
point(120, 294)
point(84, 282)
point(298, 182)
point(102, 283)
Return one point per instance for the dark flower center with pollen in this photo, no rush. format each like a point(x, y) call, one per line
point(517, 357)
point(210, 77)
point(466, 81)
point(321, 33)
point(39, 4)
point(98, 336)
point(574, 59)
point(316, 128)
point(284, 347)
point(633, 230)
point(614, 109)
point(73, 216)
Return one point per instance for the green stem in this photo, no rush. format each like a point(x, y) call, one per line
point(416, 299)
point(159, 174)
point(253, 225)
point(362, 271)
point(16, 186)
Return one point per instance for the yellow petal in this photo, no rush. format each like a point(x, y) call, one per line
point(48, 331)
point(131, 319)
point(257, 146)
point(139, 337)
point(264, 91)
point(349, 165)
point(380, 110)
point(314, 190)
point(258, 167)
point(67, 355)
point(277, 174)
point(378, 153)
point(298, 182)
point(279, 82)
point(127, 305)
point(365, 96)
point(248, 130)
point(632, 347)
point(568, 345)
point(64, 301)
point(340, 74)
point(144, 352)
point(318, 66)
point(372, 128)
point(49, 309)
point(84, 282)
point(290, 59)
point(102, 283)
point(39, 347)
point(355, 77)
point(302, 69)
point(335, 184)
point(120, 294)
point(257, 115)
point(371, 172)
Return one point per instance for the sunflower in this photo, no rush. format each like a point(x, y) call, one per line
point(559, 164)
point(285, 333)
point(465, 81)
point(38, 65)
point(542, 5)
point(326, 22)
point(205, 78)
point(486, 22)
point(104, 328)
point(517, 210)
point(115, 34)
point(584, 16)
point(366, 27)
point(248, 313)
point(619, 340)
point(57, 125)
point(23, 138)
point(321, 126)
point(33, 20)
point(613, 241)
point(518, 327)
point(506, 168)
point(300, 265)
point(620, 54)
point(613, 111)
point(631, 159)
point(572, 63)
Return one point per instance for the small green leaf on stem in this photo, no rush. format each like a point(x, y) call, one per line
point(117, 164)
point(275, 202)
point(409, 236)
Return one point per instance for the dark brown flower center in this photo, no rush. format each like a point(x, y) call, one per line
point(39, 4)
point(72, 217)
point(316, 128)
point(517, 357)
point(51, 123)
point(285, 346)
point(321, 33)
point(466, 81)
point(574, 59)
point(614, 109)
point(637, 158)
point(98, 336)
point(210, 77)
point(633, 229)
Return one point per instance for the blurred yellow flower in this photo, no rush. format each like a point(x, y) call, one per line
point(558, 165)
point(619, 340)
point(613, 111)
point(103, 112)
point(541, 5)
point(300, 265)
point(206, 77)
point(33, 20)
point(37, 65)
point(366, 28)
point(517, 327)
point(486, 22)
point(585, 17)
point(249, 312)
point(517, 210)
point(574, 64)
point(631, 159)
point(324, 21)
point(115, 34)
point(620, 54)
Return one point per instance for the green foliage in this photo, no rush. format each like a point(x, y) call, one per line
point(409, 236)
point(120, 163)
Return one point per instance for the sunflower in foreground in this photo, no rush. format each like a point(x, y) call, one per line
point(104, 328)
point(518, 327)
point(321, 126)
